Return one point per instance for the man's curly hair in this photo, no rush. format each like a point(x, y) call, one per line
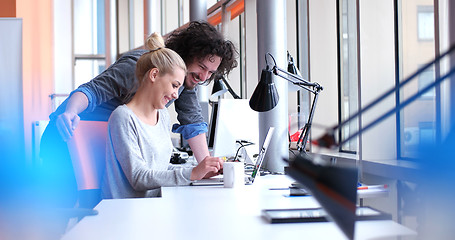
point(199, 40)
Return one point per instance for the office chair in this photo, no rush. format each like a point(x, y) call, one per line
point(87, 149)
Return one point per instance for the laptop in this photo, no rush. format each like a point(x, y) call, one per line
point(249, 179)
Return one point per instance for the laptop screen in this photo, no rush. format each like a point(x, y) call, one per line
point(262, 152)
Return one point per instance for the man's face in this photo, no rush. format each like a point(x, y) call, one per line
point(200, 70)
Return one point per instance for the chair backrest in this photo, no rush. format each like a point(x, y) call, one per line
point(87, 149)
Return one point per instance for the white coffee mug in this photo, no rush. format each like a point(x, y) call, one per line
point(233, 174)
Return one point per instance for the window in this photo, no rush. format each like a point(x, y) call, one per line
point(425, 23)
point(418, 120)
point(349, 73)
point(89, 40)
point(426, 78)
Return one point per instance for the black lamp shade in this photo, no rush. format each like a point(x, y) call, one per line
point(219, 88)
point(265, 96)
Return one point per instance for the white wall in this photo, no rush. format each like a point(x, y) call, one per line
point(377, 76)
point(122, 21)
point(11, 99)
point(323, 62)
point(251, 71)
point(63, 54)
point(170, 15)
point(138, 19)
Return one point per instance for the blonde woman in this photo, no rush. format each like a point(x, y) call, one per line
point(139, 144)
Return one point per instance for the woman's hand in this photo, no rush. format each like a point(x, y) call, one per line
point(208, 167)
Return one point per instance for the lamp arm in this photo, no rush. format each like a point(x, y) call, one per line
point(234, 95)
point(304, 87)
point(295, 79)
point(303, 138)
point(312, 87)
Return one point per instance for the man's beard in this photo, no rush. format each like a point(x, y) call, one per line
point(189, 83)
point(189, 86)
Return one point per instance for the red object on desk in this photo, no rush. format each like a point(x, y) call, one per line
point(295, 137)
point(373, 187)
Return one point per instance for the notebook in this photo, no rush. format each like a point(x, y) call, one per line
point(249, 179)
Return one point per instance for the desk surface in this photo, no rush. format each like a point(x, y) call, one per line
point(215, 212)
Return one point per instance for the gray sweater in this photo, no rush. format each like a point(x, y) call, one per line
point(138, 156)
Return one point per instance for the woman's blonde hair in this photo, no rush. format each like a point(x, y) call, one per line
point(164, 59)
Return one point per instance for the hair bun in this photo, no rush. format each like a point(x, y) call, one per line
point(156, 49)
point(154, 42)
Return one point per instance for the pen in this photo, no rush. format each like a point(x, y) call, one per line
point(372, 187)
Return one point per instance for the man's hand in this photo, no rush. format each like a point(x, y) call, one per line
point(68, 121)
point(208, 167)
point(66, 124)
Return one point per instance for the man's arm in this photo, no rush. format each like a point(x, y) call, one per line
point(192, 125)
point(199, 147)
point(68, 121)
point(116, 82)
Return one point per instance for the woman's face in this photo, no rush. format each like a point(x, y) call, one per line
point(165, 87)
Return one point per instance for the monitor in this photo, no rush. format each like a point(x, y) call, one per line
point(235, 120)
point(212, 126)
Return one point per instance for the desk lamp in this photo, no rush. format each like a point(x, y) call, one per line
point(265, 96)
point(335, 188)
point(220, 87)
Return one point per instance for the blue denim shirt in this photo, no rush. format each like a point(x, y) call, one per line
point(116, 86)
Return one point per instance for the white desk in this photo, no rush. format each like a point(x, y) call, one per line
point(216, 213)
